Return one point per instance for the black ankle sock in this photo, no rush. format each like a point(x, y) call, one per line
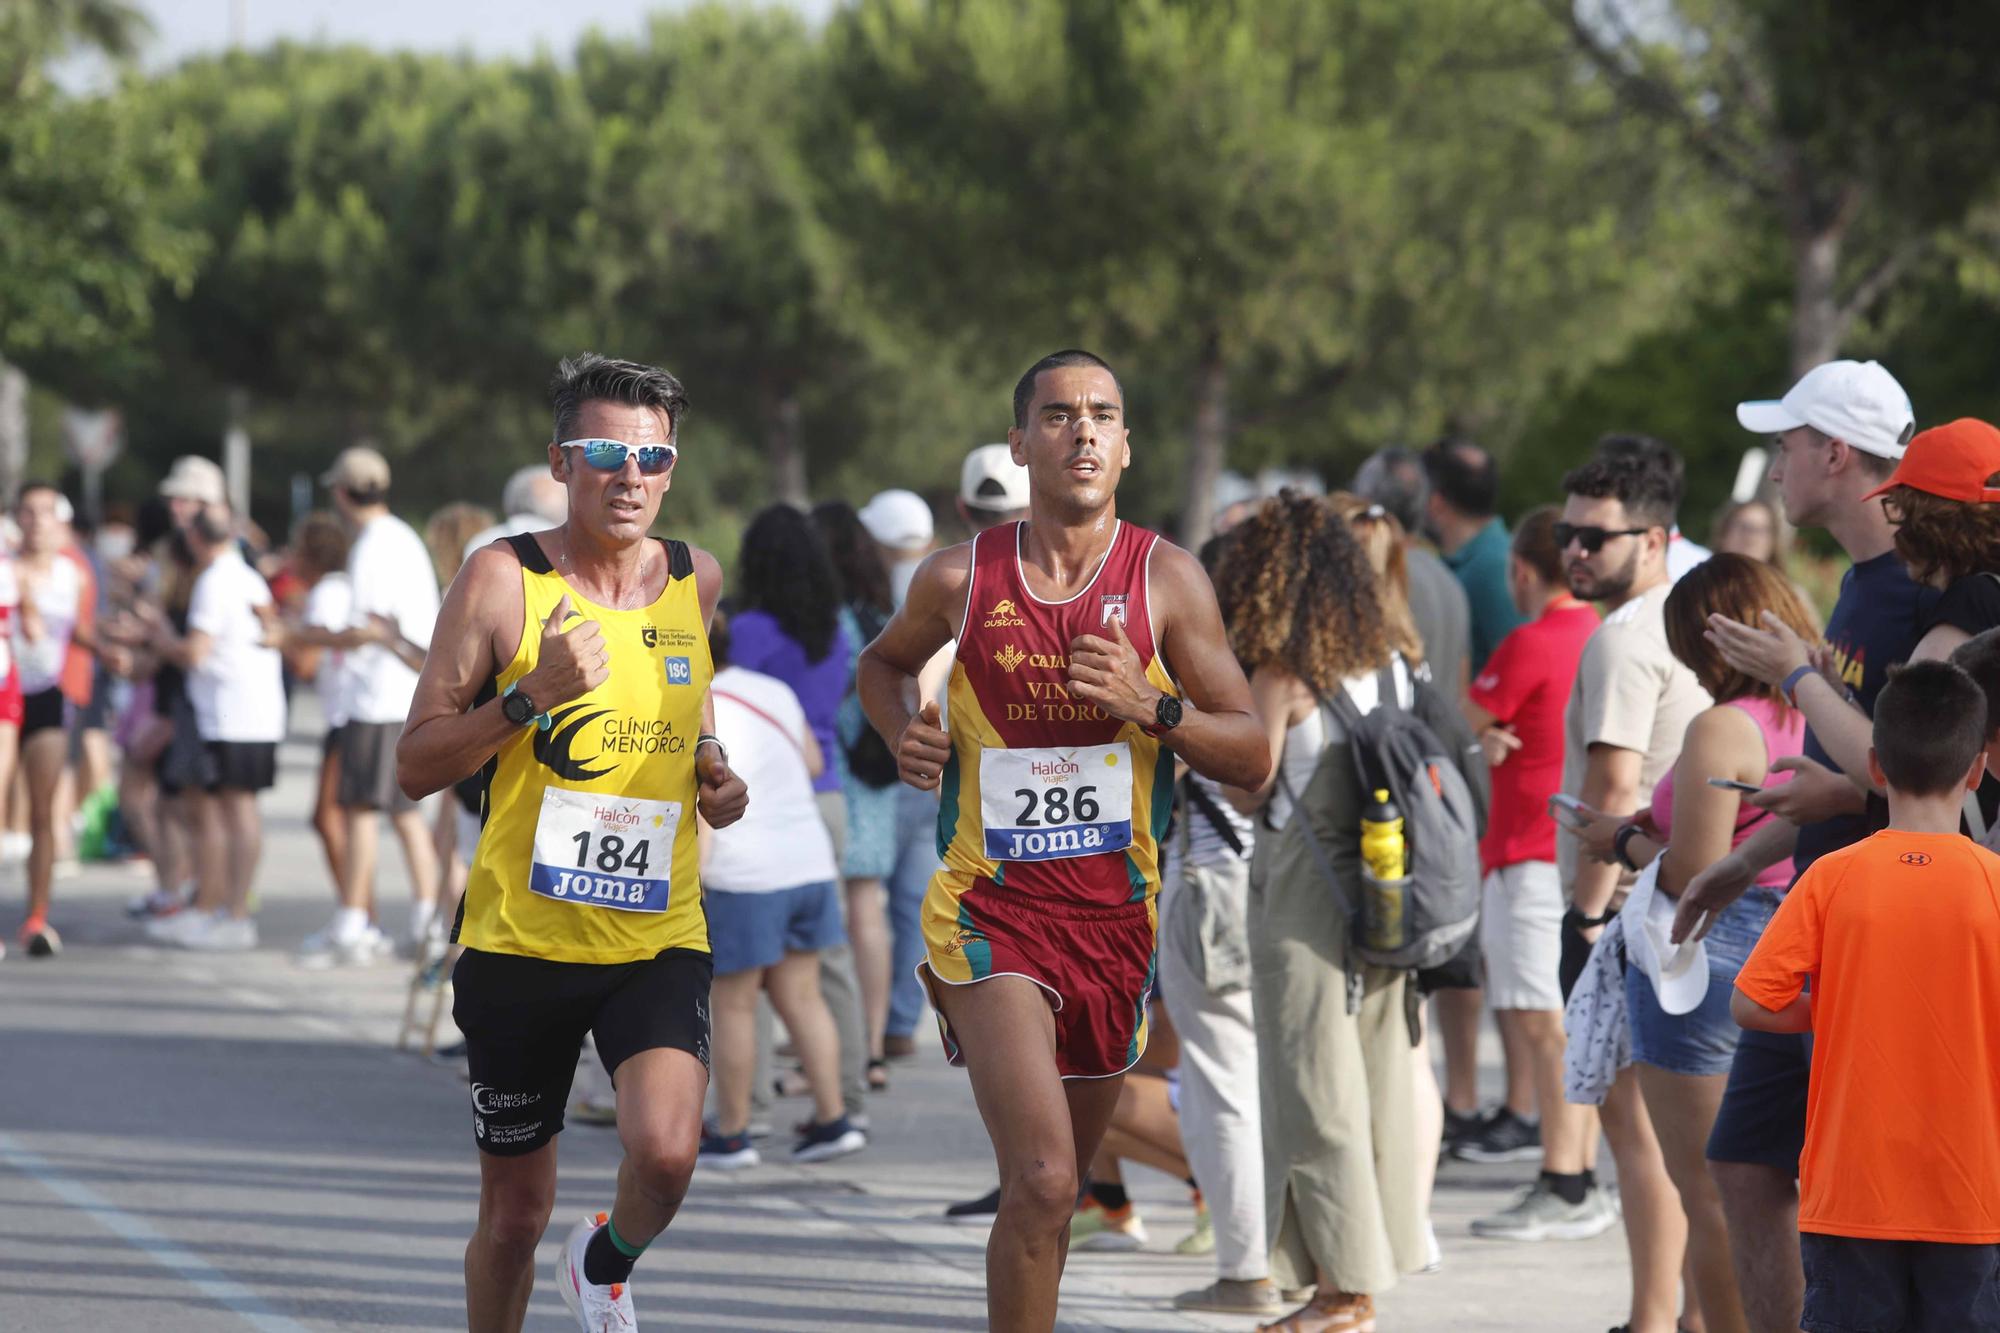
point(1112, 1197)
point(602, 1263)
point(1571, 1189)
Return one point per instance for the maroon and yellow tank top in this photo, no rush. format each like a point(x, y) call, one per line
point(1043, 793)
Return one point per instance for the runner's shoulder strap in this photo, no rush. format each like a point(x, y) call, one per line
point(529, 552)
point(680, 559)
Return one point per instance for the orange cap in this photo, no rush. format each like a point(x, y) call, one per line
point(1953, 461)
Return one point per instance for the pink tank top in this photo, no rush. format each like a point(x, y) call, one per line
point(1784, 737)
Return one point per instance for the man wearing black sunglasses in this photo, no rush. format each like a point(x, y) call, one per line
point(1627, 714)
point(570, 668)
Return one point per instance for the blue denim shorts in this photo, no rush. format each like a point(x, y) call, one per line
point(757, 930)
point(1703, 1040)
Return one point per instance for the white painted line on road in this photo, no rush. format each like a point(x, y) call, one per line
point(141, 1235)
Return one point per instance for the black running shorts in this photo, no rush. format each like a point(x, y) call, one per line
point(524, 1020)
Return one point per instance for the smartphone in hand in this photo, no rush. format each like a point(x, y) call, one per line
point(1569, 811)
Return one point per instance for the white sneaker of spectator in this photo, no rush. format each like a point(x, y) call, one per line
point(346, 940)
point(159, 902)
point(221, 934)
point(173, 929)
point(14, 848)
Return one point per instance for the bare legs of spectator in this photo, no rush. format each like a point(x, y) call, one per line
point(211, 851)
point(1458, 1014)
point(1655, 1228)
point(421, 860)
point(868, 938)
point(329, 821)
point(842, 999)
point(1533, 1041)
point(793, 985)
point(1683, 1109)
point(242, 830)
point(1762, 1205)
point(1143, 1129)
point(43, 760)
point(363, 850)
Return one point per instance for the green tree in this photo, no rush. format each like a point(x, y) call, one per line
point(1865, 133)
point(1316, 225)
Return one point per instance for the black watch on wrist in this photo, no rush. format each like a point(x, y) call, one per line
point(517, 707)
point(1578, 921)
point(1166, 713)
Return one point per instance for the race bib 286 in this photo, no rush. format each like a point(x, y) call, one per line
point(1049, 804)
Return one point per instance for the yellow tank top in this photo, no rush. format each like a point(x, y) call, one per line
point(588, 851)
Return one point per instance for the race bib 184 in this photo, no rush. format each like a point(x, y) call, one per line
point(605, 851)
point(1045, 805)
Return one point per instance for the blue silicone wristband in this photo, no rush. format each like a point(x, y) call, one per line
point(1790, 688)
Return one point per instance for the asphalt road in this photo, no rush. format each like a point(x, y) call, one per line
point(198, 1142)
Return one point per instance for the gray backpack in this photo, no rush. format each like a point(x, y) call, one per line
point(1425, 918)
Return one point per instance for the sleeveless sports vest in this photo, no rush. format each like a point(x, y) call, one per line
point(1043, 793)
point(587, 854)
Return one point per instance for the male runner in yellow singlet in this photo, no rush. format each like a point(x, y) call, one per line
point(1090, 654)
point(571, 668)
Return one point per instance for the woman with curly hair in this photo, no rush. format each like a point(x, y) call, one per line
point(1337, 1089)
point(1944, 502)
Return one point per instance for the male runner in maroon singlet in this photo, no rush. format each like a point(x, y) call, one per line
point(1090, 655)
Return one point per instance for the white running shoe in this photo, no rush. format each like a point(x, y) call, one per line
point(597, 1309)
point(174, 929)
point(329, 947)
point(222, 934)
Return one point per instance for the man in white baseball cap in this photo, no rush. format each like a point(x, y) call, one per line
point(901, 524)
point(1839, 433)
point(992, 487)
point(1856, 402)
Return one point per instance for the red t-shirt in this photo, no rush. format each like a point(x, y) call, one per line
point(1526, 684)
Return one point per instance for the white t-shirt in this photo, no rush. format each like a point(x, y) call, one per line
point(389, 572)
point(780, 843)
point(238, 691)
point(511, 526)
point(58, 599)
point(328, 606)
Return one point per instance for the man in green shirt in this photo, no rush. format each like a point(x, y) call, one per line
point(1461, 513)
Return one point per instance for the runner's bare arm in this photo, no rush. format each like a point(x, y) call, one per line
point(886, 678)
point(445, 738)
point(1220, 735)
point(720, 796)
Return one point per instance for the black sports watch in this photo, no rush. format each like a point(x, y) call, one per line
point(517, 707)
point(1166, 713)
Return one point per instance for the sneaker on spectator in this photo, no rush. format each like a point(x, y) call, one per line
point(1234, 1296)
point(159, 902)
point(975, 1212)
point(1501, 1137)
point(1202, 1239)
point(1459, 1128)
point(726, 1152)
point(220, 934)
point(1542, 1214)
point(39, 938)
point(1433, 1252)
point(170, 929)
point(1094, 1227)
point(823, 1143)
point(331, 946)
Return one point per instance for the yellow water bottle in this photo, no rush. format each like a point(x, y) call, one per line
point(1387, 859)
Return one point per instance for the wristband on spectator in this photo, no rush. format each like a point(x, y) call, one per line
point(1620, 841)
point(1579, 921)
point(1790, 688)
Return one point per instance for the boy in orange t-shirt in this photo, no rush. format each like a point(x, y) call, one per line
point(1899, 1201)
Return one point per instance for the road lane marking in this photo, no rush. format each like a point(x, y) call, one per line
point(141, 1235)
